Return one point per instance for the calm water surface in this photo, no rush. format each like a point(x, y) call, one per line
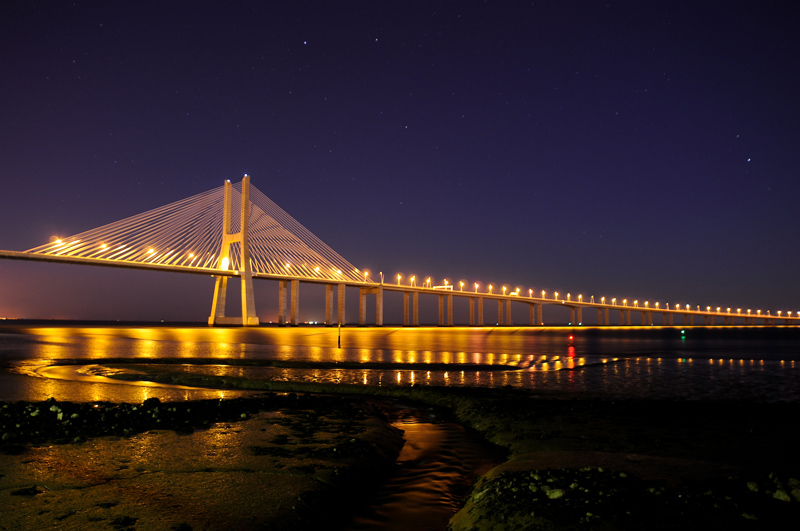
point(692, 363)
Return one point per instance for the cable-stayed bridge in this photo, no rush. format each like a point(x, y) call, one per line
point(237, 231)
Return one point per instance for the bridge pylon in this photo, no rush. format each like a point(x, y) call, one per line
point(249, 317)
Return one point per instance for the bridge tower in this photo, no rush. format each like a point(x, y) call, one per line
point(249, 317)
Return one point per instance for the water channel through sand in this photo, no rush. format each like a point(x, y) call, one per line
point(436, 468)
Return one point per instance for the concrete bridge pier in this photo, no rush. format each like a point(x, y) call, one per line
point(328, 304)
point(539, 319)
point(508, 312)
point(500, 312)
point(572, 315)
point(281, 302)
point(600, 316)
point(449, 310)
point(472, 311)
point(295, 304)
point(480, 311)
point(405, 308)
point(580, 315)
point(532, 314)
point(379, 306)
point(340, 303)
point(628, 317)
point(441, 310)
point(415, 309)
point(362, 306)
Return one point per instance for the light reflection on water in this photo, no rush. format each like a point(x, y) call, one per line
point(661, 365)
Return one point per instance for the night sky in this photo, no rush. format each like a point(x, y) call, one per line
point(634, 149)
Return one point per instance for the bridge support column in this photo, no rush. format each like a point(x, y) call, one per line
point(362, 306)
point(415, 309)
point(539, 314)
point(328, 304)
point(441, 310)
point(508, 312)
point(691, 318)
point(249, 317)
point(472, 311)
point(281, 302)
point(572, 316)
point(405, 308)
point(500, 312)
point(295, 304)
point(340, 304)
point(628, 317)
point(580, 315)
point(218, 303)
point(599, 316)
point(532, 314)
point(379, 306)
point(449, 310)
point(480, 311)
point(607, 320)
point(621, 317)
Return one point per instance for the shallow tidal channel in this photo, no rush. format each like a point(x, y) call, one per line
point(435, 470)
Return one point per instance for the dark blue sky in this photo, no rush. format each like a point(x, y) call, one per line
point(629, 149)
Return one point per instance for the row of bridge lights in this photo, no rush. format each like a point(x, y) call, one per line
point(624, 303)
point(151, 252)
point(429, 284)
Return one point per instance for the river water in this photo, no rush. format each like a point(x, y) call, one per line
point(672, 363)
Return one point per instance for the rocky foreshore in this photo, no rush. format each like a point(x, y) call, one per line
point(573, 464)
point(277, 462)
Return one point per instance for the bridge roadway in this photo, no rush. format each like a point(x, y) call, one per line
point(289, 288)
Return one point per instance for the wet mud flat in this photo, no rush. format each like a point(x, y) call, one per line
point(280, 462)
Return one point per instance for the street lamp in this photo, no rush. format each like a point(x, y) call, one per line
point(543, 294)
point(569, 295)
point(530, 293)
point(412, 280)
point(580, 297)
point(504, 290)
point(365, 275)
point(602, 300)
point(428, 281)
point(399, 276)
point(490, 289)
point(476, 287)
point(461, 283)
point(614, 301)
